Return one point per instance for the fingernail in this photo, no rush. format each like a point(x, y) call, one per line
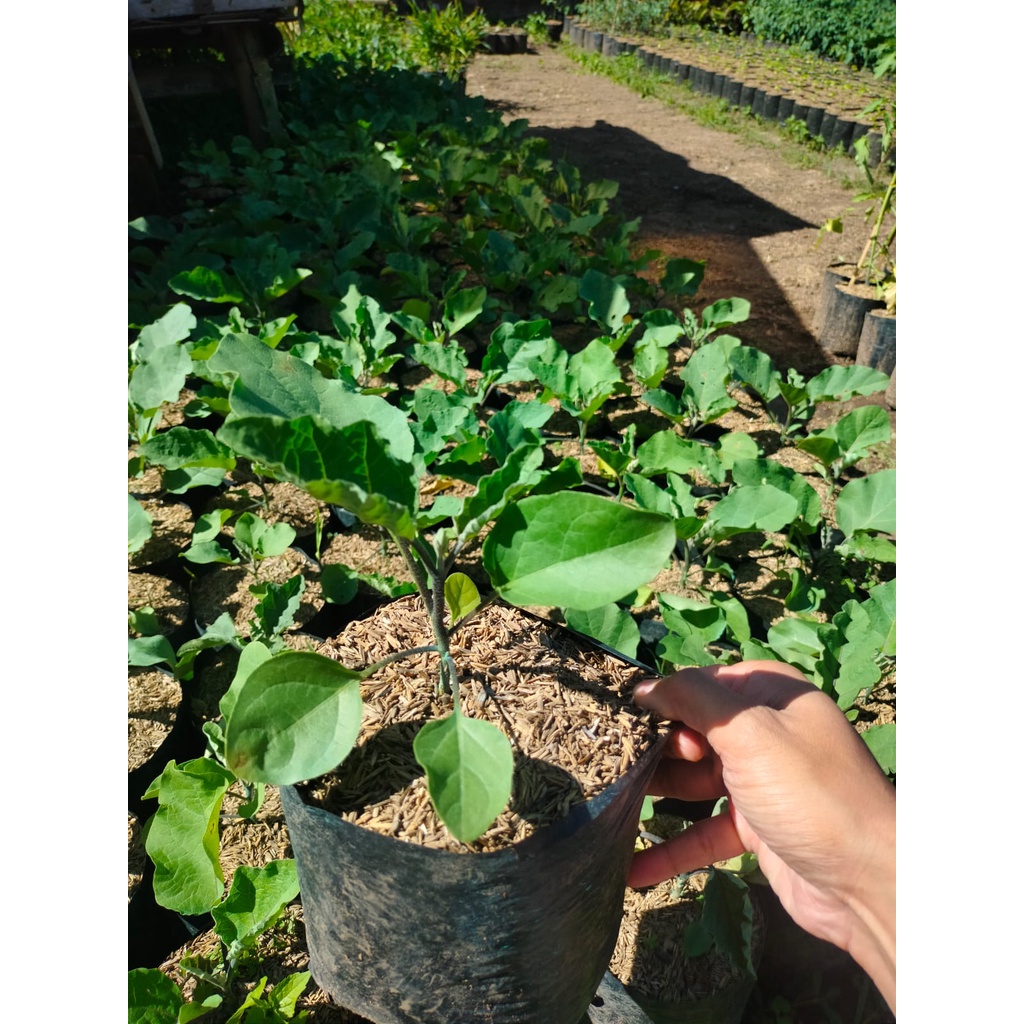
point(643, 688)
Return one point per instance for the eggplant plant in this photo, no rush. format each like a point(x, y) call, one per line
point(293, 716)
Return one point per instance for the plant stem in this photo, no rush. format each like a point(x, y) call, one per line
point(431, 590)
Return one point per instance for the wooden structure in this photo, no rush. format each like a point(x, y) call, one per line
point(244, 30)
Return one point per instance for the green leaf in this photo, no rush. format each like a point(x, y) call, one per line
point(152, 997)
point(745, 509)
point(867, 547)
point(255, 538)
point(839, 383)
point(683, 276)
point(754, 368)
point(253, 654)
point(667, 452)
point(285, 994)
point(296, 716)
point(174, 326)
point(881, 741)
point(220, 632)
point(859, 431)
point(463, 308)
point(181, 446)
point(159, 379)
point(276, 612)
point(706, 376)
point(350, 466)
point(607, 302)
point(206, 284)
point(725, 313)
point(574, 550)
point(461, 596)
point(150, 650)
point(611, 625)
point(755, 472)
point(868, 503)
point(728, 915)
point(140, 526)
point(255, 901)
point(469, 768)
point(338, 583)
point(519, 472)
point(182, 837)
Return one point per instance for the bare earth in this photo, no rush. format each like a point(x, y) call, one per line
point(700, 192)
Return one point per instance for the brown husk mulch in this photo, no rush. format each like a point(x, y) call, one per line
point(565, 705)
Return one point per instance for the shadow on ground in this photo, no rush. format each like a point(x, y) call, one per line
point(701, 216)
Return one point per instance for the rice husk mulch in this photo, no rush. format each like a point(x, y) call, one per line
point(565, 705)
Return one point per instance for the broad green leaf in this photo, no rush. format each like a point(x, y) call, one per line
point(752, 508)
point(178, 481)
point(737, 620)
point(276, 612)
point(667, 452)
point(348, 466)
point(868, 547)
point(447, 359)
point(683, 276)
point(868, 503)
point(725, 313)
point(255, 901)
point(666, 403)
point(706, 376)
point(255, 538)
point(285, 994)
point(253, 654)
point(839, 383)
point(692, 626)
point(611, 625)
point(607, 302)
point(140, 526)
point(859, 431)
point(650, 362)
point(512, 348)
point(735, 446)
point(182, 837)
point(150, 650)
point(469, 768)
point(152, 997)
point(881, 741)
point(798, 642)
point(295, 717)
point(159, 379)
point(338, 583)
point(728, 914)
point(520, 471)
point(220, 632)
point(754, 368)
point(754, 472)
point(461, 596)
point(463, 308)
point(174, 326)
point(517, 424)
point(183, 446)
point(207, 285)
point(574, 550)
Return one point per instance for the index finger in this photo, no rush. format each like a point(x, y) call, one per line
point(708, 696)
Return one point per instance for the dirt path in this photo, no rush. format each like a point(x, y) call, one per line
point(701, 192)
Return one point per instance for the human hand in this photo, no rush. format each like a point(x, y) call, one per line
point(805, 795)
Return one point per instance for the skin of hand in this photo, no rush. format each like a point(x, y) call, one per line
point(805, 795)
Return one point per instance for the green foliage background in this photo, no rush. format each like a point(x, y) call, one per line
point(857, 32)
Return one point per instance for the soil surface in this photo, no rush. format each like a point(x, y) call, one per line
point(701, 192)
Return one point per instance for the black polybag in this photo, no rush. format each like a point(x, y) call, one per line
point(402, 933)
